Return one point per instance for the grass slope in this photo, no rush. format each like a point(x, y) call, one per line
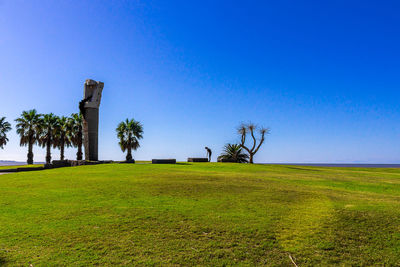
point(200, 214)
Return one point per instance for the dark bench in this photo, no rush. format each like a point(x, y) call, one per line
point(197, 159)
point(163, 161)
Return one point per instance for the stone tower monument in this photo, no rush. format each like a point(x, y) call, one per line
point(89, 108)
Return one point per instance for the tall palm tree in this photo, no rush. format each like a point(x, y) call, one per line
point(233, 153)
point(129, 132)
point(28, 128)
point(76, 133)
point(5, 126)
point(62, 137)
point(48, 124)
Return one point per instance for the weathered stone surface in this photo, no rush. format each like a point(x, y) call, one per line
point(197, 159)
point(91, 129)
point(89, 107)
point(48, 166)
point(59, 164)
point(78, 163)
point(163, 161)
point(73, 163)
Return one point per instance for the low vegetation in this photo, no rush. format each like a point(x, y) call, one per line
point(233, 153)
point(200, 214)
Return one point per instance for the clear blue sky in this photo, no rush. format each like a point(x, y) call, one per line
point(324, 75)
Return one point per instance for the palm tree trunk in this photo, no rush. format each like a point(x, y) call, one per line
point(129, 155)
point(48, 152)
point(79, 153)
point(62, 150)
point(85, 137)
point(30, 153)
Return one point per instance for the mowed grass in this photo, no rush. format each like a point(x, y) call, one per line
point(200, 214)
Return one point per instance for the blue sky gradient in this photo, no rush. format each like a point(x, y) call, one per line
point(324, 75)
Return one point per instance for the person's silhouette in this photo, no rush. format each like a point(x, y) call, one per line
point(209, 152)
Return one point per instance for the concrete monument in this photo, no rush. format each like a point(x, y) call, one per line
point(89, 108)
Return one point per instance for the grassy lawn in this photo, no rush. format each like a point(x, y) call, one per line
point(200, 214)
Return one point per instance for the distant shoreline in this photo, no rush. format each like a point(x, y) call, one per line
point(345, 165)
point(14, 163)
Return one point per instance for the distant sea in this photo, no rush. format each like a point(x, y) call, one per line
point(8, 163)
point(356, 165)
point(11, 162)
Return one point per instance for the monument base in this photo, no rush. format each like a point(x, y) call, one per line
point(73, 163)
point(90, 131)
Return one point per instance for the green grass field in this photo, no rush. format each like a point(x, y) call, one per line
point(200, 214)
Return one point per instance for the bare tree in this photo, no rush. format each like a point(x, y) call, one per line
point(246, 129)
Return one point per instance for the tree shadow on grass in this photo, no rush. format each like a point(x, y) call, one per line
point(183, 163)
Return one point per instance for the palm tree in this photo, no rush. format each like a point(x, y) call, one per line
point(28, 128)
point(62, 136)
point(233, 153)
point(49, 125)
point(76, 133)
point(129, 132)
point(5, 126)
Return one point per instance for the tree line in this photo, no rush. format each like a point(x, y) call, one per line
point(51, 131)
point(47, 131)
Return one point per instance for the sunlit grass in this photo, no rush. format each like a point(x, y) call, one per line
point(200, 213)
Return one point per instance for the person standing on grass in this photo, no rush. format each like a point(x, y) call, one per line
point(209, 152)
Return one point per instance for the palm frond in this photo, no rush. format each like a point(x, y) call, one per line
point(129, 132)
point(233, 153)
point(28, 127)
